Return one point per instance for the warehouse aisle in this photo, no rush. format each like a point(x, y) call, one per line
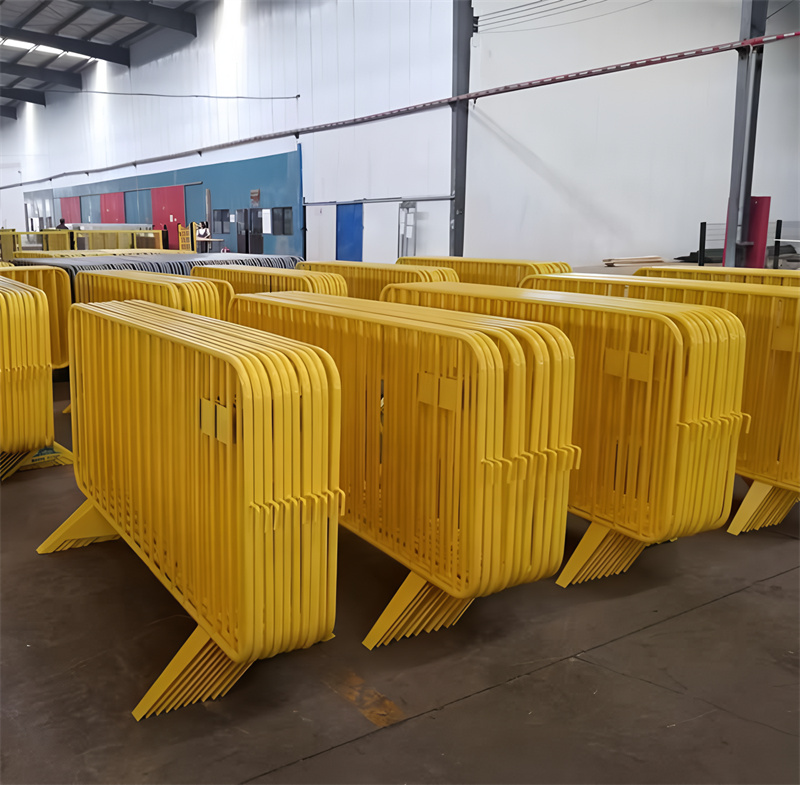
point(684, 670)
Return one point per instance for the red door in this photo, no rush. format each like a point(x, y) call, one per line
point(112, 208)
point(169, 210)
point(71, 209)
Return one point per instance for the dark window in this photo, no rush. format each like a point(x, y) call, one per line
point(220, 222)
point(288, 227)
point(282, 222)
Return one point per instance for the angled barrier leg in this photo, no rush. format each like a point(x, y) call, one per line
point(600, 553)
point(55, 455)
point(85, 526)
point(418, 606)
point(198, 672)
point(67, 409)
point(764, 505)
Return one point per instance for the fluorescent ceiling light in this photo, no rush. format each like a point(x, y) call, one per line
point(49, 49)
point(17, 44)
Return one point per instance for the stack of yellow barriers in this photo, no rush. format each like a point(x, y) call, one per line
point(26, 392)
point(54, 282)
point(732, 274)
point(657, 412)
point(456, 444)
point(220, 470)
point(192, 295)
point(769, 454)
point(368, 280)
point(495, 272)
point(250, 280)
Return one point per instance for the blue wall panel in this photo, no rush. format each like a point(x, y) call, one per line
point(350, 232)
point(90, 208)
point(138, 207)
point(277, 177)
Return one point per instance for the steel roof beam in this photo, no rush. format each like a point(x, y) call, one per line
point(66, 78)
point(157, 15)
point(29, 96)
point(32, 13)
point(114, 54)
point(8, 111)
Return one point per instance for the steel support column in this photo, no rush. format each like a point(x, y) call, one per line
point(463, 27)
point(748, 87)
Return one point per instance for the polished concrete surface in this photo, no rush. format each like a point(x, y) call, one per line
point(684, 670)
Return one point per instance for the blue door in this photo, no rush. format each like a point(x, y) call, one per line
point(349, 232)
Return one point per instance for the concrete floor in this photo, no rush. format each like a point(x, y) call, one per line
point(685, 670)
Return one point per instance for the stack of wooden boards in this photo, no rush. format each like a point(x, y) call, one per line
point(219, 468)
point(26, 392)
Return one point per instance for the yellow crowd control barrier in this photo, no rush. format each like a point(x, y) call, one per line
point(456, 444)
point(657, 412)
point(496, 272)
point(6, 264)
point(220, 471)
point(193, 295)
point(26, 391)
point(54, 282)
point(368, 280)
point(733, 274)
point(251, 280)
point(769, 454)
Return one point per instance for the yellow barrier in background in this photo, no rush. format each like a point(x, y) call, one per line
point(497, 272)
point(456, 444)
point(368, 280)
point(657, 412)
point(26, 392)
point(220, 470)
point(55, 241)
point(732, 274)
point(6, 264)
point(769, 453)
point(252, 280)
point(54, 282)
point(175, 291)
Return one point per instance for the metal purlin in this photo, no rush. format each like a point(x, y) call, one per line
point(441, 102)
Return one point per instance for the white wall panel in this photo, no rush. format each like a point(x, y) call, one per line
point(433, 228)
point(619, 165)
point(403, 157)
point(380, 232)
point(321, 232)
point(343, 58)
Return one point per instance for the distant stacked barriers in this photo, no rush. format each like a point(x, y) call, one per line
point(495, 272)
point(366, 280)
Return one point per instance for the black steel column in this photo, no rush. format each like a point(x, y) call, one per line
point(463, 27)
point(748, 87)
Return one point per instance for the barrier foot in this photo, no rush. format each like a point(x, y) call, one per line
point(764, 505)
point(67, 410)
point(418, 606)
point(85, 526)
point(600, 553)
point(11, 463)
point(200, 671)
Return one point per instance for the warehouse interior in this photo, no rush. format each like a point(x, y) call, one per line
point(598, 200)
